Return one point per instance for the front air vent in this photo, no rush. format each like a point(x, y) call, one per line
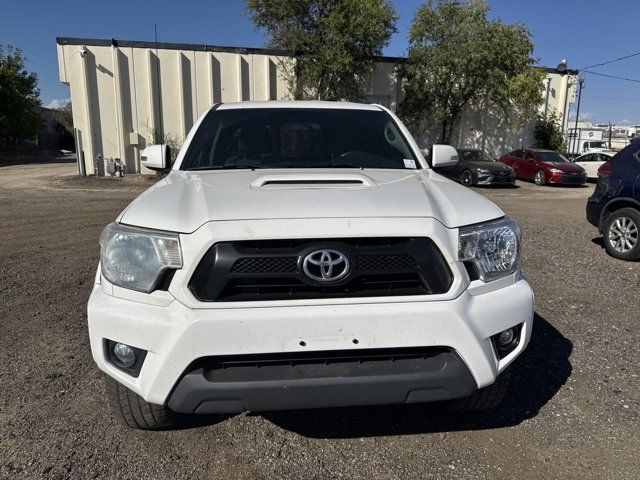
point(312, 182)
point(313, 179)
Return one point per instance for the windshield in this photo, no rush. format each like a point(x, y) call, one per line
point(551, 157)
point(298, 138)
point(475, 156)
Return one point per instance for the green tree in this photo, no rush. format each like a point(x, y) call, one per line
point(333, 42)
point(458, 58)
point(64, 116)
point(548, 133)
point(19, 102)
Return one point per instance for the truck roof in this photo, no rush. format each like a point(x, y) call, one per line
point(300, 104)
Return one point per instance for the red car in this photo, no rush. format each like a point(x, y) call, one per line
point(544, 166)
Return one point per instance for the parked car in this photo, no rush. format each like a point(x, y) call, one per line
point(304, 255)
point(475, 167)
point(591, 162)
point(614, 207)
point(544, 166)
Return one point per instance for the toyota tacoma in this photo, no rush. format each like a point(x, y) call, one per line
point(305, 255)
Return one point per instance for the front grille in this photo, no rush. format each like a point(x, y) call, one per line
point(502, 175)
point(385, 262)
point(265, 265)
point(271, 270)
point(573, 178)
point(291, 288)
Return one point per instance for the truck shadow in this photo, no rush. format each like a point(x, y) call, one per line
point(537, 376)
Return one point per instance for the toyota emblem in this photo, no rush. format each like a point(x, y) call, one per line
point(326, 265)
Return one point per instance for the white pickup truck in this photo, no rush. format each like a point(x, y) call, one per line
point(303, 255)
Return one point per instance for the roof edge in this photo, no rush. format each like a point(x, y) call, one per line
point(101, 42)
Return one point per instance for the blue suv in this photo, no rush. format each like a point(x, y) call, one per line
point(614, 206)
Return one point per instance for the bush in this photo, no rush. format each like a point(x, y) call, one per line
point(548, 133)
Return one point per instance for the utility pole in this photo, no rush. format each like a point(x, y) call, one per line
point(610, 128)
point(576, 143)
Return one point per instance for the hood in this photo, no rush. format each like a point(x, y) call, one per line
point(183, 201)
point(565, 167)
point(491, 166)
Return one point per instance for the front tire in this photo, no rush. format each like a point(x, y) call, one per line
point(622, 234)
point(484, 398)
point(539, 178)
point(134, 412)
point(466, 178)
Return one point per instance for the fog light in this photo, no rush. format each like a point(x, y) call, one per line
point(506, 341)
point(125, 355)
point(506, 338)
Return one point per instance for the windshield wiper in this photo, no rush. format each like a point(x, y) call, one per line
point(225, 167)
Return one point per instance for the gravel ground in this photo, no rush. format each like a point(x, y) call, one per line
point(572, 411)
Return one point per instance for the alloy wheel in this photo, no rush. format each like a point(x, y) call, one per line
point(467, 178)
point(623, 234)
point(539, 178)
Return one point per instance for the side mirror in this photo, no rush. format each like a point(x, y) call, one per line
point(156, 157)
point(443, 156)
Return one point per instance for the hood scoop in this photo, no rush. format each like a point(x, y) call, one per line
point(314, 180)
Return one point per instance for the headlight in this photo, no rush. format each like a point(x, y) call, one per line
point(494, 247)
point(135, 258)
point(555, 170)
point(482, 170)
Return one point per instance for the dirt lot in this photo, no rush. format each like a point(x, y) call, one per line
point(573, 411)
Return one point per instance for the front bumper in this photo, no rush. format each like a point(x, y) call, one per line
point(177, 337)
point(493, 178)
point(322, 379)
point(567, 179)
point(594, 213)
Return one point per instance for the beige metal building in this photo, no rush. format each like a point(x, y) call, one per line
point(127, 94)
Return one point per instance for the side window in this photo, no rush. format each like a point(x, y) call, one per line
point(516, 153)
point(528, 155)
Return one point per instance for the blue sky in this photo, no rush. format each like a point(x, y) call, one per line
point(585, 32)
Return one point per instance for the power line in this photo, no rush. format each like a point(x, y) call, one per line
point(27, 59)
point(33, 52)
point(51, 73)
point(49, 83)
point(612, 76)
point(612, 98)
point(612, 61)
